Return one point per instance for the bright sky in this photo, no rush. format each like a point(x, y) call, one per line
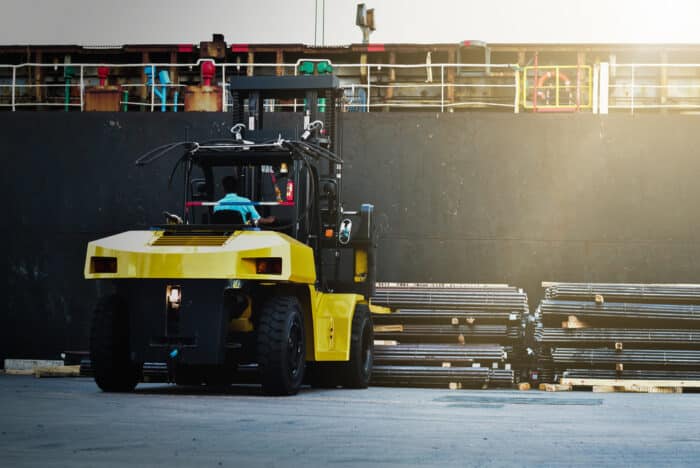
point(285, 21)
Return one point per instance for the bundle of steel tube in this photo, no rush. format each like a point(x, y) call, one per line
point(619, 310)
point(665, 293)
point(619, 330)
point(449, 333)
point(447, 315)
point(437, 353)
point(639, 357)
point(610, 336)
point(474, 377)
point(450, 325)
point(466, 297)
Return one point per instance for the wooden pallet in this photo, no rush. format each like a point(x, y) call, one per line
point(57, 371)
point(631, 386)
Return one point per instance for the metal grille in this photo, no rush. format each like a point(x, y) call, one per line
point(190, 240)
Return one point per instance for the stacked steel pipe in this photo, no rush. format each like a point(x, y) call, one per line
point(618, 331)
point(457, 334)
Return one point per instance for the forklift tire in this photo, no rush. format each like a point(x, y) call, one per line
point(109, 347)
point(358, 370)
point(281, 346)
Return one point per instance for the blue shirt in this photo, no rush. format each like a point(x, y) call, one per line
point(242, 209)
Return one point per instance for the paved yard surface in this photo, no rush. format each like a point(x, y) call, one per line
point(69, 422)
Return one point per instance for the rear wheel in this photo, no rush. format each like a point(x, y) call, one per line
point(358, 370)
point(281, 346)
point(109, 347)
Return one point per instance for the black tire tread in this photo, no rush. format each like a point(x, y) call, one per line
point(353, 376)
point(109, 347)
point(270, 345)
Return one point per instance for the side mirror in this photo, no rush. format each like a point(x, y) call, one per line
point(344, 231)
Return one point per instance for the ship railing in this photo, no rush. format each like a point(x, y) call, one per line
point(368, 86)
point(636, 87)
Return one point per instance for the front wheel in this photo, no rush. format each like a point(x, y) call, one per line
point(109, 347)
point(359, 369)
point(281, 346)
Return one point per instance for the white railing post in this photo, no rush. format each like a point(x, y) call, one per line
point(632, 86)
point(516, 99)
point(153, 87)
point(82, 87)
point(604, 88)
point(594, 97)
point(369, 86)
point(14, 85)
point(223, 87)
point(442, 87)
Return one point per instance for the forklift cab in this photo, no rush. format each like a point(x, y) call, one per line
point(275, 183)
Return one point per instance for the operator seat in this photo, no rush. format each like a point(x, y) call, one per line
point(227, 217)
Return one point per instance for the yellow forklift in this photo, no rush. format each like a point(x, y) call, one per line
point(214, 296)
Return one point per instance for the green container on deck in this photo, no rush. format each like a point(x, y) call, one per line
point(324, 68)
point(306, 68)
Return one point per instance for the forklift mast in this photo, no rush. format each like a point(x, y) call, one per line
point(317, 96)
point(346, 258)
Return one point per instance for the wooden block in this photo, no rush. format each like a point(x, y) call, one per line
point(58, 371)
point(634, 388)
point(665, 389)
point(455, 385)
point(470, 320)
point(603, 388)
point(631, 383)
point(446, 364)
point(574, 322)
point(599, 299)
point(618, 346)
point(556, 387)
point(524, 386)
point(455, 321)
point(460, 339)
point(619, 367)
point(19, 371)
point(104, 99)
point(385, 342)
point(388, 328)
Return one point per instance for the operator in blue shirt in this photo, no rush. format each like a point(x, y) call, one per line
point(245, 208)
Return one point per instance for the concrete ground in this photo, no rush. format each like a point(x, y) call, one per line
point(69, 422)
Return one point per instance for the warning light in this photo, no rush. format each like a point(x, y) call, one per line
point(268, 266)
point(290, 191)
point(329, 233)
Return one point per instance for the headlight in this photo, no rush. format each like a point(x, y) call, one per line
point(173, 295)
